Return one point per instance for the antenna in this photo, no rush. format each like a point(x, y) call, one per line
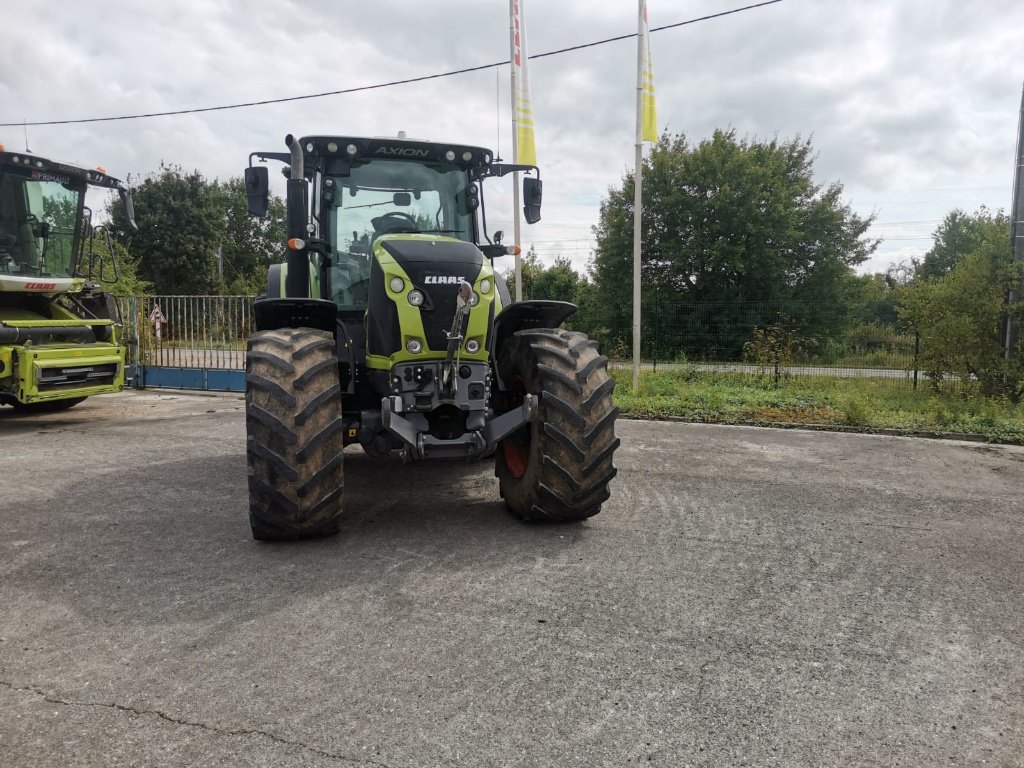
point(24, 124)
point(497, 114)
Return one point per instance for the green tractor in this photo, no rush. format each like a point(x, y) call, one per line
point(58, 331)
point(389, 327)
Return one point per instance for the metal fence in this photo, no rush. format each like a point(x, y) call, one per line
point(196, 341)
point(760, 338)
point(193, 342)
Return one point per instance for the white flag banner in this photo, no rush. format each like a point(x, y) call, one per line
point(648, 128)
point(525, 148)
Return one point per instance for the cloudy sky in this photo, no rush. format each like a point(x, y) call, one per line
point(912, 105)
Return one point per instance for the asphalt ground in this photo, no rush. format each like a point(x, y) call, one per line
point(747, 597)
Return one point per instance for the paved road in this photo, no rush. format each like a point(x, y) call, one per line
point(748, 597)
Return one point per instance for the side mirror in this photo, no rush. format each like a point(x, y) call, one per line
point(257, 190)
point(532, 194)
point(129, 206)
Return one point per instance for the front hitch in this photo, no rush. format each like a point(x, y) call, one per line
point(475, 443)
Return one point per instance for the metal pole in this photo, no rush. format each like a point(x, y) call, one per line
point(657, 320)
point(917, 351)
point(1016, 230)
point(513, 13)
point(637, 195)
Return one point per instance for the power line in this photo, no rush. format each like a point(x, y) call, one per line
point(406, 81)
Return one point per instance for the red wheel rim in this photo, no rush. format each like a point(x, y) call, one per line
point(517, 457)
point(516, 447)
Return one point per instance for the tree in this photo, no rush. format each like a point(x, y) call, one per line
point(178, 215)
point(115, 269)
point(248, 245)
point(730, 221)
point(559, 282)
point(958, 235)
point(186, 221)
point(961, 314)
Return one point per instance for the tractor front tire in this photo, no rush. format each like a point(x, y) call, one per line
point(558, 467)
point(294, 434)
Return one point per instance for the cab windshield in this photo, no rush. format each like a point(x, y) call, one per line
point(387, 197)
point(39, 224)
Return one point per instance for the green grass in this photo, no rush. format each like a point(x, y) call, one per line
point(862, 404)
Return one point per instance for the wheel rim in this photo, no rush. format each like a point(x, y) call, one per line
point(516, 447)
point(517, 457)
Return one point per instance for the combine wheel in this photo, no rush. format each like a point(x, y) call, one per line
point(294, 435)
point(558, 467)
point(47, 406)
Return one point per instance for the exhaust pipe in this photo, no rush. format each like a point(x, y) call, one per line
point(296, 282)
point(298, 161)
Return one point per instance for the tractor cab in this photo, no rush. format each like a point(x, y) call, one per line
point(360, 189)
point(46, 232)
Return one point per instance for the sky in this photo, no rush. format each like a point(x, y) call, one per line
point(911, 105)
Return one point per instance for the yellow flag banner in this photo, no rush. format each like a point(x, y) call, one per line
point(648, 128)
point(526, 150)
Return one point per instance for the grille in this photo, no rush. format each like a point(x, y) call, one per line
point(57, 378)
point(437, 321)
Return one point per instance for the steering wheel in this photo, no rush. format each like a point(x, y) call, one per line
point(394, 221)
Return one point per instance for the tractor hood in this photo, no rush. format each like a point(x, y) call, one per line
point(436, 267)
point(419, 248)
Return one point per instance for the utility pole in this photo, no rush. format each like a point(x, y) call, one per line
point(1016, 230)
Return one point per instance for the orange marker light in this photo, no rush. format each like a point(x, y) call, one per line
point(2, 149)
point(296, 243)
point(516, 250)
point(101, 169)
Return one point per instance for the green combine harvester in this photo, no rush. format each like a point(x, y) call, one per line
point(58, 332)
point(389, 327)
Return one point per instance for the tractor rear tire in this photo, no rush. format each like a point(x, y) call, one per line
point(294, 434)
point(558, 467)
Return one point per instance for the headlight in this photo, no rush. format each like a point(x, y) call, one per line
point(450, 156)
point(485, 286)
point(472, 346)
point(474, 299)
point(416, 298)
point(397, 284)
point(414, 346)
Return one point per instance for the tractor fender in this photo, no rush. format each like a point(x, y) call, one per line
point(272, 314)
point(275, 281)
point(526, 315)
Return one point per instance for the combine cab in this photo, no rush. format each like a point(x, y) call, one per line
point(389, 327)
point(58, 332)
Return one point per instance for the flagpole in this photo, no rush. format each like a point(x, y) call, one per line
point(513, 11)
point(1016, 234)
point(637, 194)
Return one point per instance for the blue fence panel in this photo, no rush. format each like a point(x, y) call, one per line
point(188, 342)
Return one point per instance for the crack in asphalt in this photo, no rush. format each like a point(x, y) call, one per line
point(50, 699)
